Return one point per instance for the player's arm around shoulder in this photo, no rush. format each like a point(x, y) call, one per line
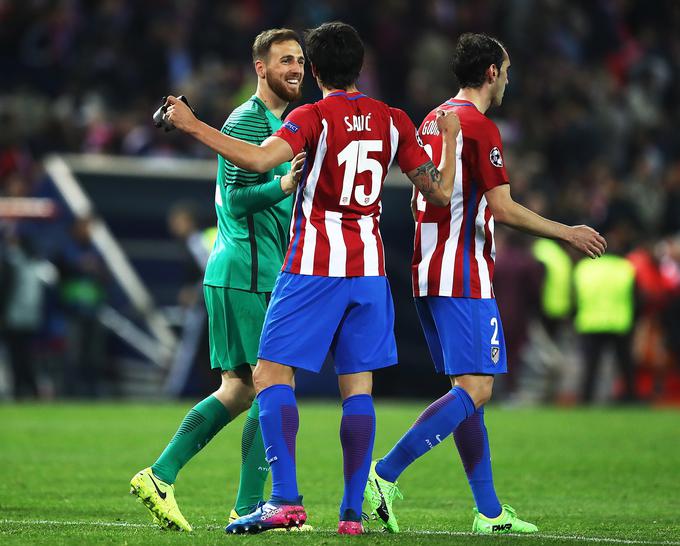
point(244, 200)
point(248, 156)
point(436, 183)
point(507, 211)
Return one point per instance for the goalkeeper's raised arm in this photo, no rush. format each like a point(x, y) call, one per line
point(260, 159)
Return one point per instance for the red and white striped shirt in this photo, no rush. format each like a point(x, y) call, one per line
point(351, 141)
point(454, 252)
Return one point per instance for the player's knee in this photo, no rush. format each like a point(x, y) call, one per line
point(235, 395)
point(268, 373)
point(263, 377)
point(260, 379)
point(483, 395)
point(355, 384)
point(479, 388)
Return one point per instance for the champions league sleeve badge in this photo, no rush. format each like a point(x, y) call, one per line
point(495, 157)
point(419, 140)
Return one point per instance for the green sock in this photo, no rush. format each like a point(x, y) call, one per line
point(254, 466)
point(199, 426)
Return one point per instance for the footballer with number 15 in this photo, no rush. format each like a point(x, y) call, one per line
point(332, 293)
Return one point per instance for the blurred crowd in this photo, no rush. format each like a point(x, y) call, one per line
point(589, 124)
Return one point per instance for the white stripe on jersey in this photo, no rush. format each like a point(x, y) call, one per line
point(218, 196)
point(379, 238)
point(480, 239)
point(309, 241)
point(394, 142)
point(449, 257)
point(492, 225)
point(370, 246)
point(337, 257)
point(428, 242)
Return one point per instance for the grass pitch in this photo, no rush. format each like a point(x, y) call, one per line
point(583, 476)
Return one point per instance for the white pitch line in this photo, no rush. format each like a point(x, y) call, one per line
point(580, 538)
point(577, 538)
point(61, 522)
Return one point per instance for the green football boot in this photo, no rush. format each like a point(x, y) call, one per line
point(380, 494)
point(506, 522)
point(159, 498)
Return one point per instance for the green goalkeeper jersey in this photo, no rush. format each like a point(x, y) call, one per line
point(253, 212)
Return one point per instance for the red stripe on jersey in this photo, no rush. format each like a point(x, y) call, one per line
point(355, 248)
point(295, 247)
point(297, 234)
point(458, 287)
point(322, 249)
point(434, 273)
point(297, 258)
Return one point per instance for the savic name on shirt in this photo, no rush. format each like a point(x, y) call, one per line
point(351, 141)
point(454, 246)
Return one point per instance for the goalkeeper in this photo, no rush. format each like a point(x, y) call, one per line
point(253, 216)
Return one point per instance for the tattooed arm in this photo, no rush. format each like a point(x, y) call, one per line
point(436, 183)
point(430, 182)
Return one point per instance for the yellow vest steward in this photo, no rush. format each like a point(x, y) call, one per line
point(604, 295)
point(556, 297)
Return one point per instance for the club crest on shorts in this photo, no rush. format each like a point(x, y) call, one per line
point(495, 354)
point(495, 157)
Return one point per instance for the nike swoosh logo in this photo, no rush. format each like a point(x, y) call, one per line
point(161, 494)
point(381, 510)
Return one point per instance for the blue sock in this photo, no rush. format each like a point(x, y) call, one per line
point(472, 442)
point(279, 422)
point(438, 421)
point(357, 432)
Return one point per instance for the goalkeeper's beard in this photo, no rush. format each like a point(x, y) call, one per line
point(281, 89)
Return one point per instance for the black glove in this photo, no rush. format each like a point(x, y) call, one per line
point(159, 115)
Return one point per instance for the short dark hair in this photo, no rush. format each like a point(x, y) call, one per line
point(336, 52)
point(474, 53)
point(265, 39)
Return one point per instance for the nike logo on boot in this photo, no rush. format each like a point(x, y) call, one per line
point(381, 510)
point(161, 494)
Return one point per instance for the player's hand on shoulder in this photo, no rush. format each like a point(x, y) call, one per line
point(290, 180)
point(448, 121)
point(588, 241)
point(179, 114)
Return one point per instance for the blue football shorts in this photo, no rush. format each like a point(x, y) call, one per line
point(465, 335)
point(309, 315)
